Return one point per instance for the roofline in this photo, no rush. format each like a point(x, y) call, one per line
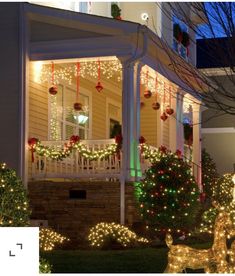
point(108, 24)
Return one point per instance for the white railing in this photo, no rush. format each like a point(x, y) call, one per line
point(77, 166)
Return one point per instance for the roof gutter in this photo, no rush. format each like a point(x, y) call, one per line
point(136, 56)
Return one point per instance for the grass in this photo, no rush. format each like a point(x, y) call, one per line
point(141, 260)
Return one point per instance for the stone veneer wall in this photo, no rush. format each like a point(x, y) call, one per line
point(73, 217)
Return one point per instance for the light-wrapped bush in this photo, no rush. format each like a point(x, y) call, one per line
point(106, 235)
point(44, 266)
point(49, 238)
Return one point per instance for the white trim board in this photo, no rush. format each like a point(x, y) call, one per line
point(218, 130)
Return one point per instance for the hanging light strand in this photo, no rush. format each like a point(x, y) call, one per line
point(52, 73)
point(156, 87)
point(78, 81)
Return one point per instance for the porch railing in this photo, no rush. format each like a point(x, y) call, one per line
point(196, 169)
point(77, 166)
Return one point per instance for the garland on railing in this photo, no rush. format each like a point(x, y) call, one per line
point(155, 154)
point(36, 146)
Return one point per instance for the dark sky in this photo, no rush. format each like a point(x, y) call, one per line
point(218, 13)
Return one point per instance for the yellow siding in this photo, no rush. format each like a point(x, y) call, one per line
point(148, 121)
point(38, 109)
point(165, 133)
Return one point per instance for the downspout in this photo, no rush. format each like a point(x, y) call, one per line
point(127, 63)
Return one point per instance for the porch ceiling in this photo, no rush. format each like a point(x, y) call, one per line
point(40, 31)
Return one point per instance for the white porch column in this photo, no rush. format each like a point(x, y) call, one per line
point(131, 169)
point(197, 142)
point(179, 122)
point(130, 120)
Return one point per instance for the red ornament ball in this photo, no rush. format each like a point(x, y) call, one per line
point(77, 106)
point(147, 94)
point(164, 116)
point(53, 90)
point(156, 105)
point(99, 86)
point(169, 110)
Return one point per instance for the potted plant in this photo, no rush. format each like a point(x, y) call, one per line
point(116, 11)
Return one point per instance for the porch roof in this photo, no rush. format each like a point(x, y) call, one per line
point(60, 34)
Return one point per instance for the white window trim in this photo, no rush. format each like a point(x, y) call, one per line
point(84, 92)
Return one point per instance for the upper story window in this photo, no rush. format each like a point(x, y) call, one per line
point(181, 39)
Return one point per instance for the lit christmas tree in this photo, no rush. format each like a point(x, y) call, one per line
point(14, 204)
point(209, 174)
point(223, 196)
point(168, 196)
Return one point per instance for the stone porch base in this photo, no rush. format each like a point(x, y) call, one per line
point(55, 202)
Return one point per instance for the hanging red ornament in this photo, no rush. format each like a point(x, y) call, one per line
point(164, 116)
point(99, 86)
point(169, 110)
point(78, 106)
point(53, 89)
point(156, 105)
point(147, 94)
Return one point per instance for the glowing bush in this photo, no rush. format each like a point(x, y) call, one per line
point(107, 234)
point(44, 266)
point(49, 238)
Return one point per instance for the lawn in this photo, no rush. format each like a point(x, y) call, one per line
point(145, 260)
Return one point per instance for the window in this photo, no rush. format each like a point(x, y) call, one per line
point(64, 120)
point(181, 39)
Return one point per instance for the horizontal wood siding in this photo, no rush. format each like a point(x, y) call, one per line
point(165, 133)
point(148, 121)
point(38, 108)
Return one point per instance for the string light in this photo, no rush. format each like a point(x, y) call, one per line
point(49, 238)
point(14, 204)
point(61, 152)
point(101, 234)
point(212, 260)
point(44, 266)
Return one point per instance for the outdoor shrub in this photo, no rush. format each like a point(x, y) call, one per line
point(13, 198)
point(168, 196)
point(44, 266)
point(106, 235)
point(49, 238)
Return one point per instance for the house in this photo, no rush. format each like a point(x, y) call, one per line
point(217, 130)
point(67, 76)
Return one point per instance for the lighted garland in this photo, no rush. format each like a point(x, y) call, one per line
point(105, 234)
point(168, 195)
point(54, 153)
point(49, 238)
point(14, 207)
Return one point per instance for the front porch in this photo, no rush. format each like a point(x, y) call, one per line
point(107, 123)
